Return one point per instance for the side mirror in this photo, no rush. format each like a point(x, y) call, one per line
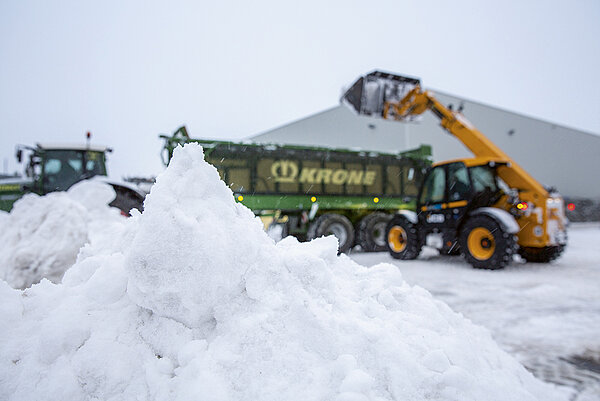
point(19, 155)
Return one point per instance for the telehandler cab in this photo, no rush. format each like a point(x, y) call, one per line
point(486, 207)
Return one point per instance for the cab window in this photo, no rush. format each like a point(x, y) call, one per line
point(62, 168)
point(94, 164)
point(434, 187)
point(459, 187)
point(484, 179)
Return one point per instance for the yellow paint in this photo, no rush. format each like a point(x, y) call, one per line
point(267, 220)
point(287, 171)
point(284, 171)
point(397, 239)
point(10, 187)
point(481, 243)
point(458, 204)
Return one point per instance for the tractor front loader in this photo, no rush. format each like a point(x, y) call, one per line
point(485, 207)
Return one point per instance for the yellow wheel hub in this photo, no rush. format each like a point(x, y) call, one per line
point(481, 243)
point(397, 239)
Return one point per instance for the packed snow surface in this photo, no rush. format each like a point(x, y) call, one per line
point(193, 301)
point(42, 235)
point(546, 315)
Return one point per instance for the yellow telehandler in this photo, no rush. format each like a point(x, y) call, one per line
point(486, 207)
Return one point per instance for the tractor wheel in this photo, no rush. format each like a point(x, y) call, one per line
point(372, 232)
point(336, 225)
point(485, 245)
point(541, 255)
point(403, 240)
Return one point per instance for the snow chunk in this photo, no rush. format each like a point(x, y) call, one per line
point(42, 235)
point(204, 305)
point(192, 247)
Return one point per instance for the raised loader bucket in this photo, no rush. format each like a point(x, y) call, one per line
point(368, 94)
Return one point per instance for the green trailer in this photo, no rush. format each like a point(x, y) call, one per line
point(309, 191)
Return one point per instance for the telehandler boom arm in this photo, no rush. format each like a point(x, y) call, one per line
point(417, 101)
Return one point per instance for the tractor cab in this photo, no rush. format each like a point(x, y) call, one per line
point(58, 167)
point(50, 168)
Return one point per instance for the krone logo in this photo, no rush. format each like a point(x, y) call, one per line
point(284, 171)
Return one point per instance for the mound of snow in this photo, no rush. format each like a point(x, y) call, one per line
point(193, 301)
point(42, 235)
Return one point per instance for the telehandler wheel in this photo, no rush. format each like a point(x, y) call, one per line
point(541, 255)
point(403, 240)
point(336, 225)
point(485, 245)
point(372, 232)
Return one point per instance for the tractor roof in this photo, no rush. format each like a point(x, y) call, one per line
point(72, 146)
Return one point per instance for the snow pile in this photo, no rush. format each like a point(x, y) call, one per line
point(42, 235)
point(193, 301)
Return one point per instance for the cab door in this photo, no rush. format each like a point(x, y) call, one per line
point(459, 194)
point(432, 198)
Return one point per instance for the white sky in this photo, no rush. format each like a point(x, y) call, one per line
point(129, 70)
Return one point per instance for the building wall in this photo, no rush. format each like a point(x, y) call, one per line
point(557, 156)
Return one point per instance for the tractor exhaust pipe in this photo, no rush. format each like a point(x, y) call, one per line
point(368, 95)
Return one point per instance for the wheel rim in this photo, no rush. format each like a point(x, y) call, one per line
point(378, 233)
point(397, 239)
point(339, 231)
point(481, 243)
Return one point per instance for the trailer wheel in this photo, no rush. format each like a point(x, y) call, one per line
point(541, 255)
point(333, 224)
point(485, 245)
point(403, 240)
point(372, 232)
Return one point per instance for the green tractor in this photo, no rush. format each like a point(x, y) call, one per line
point(51, 168)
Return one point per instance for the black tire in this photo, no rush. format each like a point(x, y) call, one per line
point(372, 232)
point(485, 245)
point(336, 225)
point(403, 240)
point(541, 255)
point(127, 200)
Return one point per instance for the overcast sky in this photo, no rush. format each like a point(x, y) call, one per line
point(129, 70)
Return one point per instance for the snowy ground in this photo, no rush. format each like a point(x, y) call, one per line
point(547, 316)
